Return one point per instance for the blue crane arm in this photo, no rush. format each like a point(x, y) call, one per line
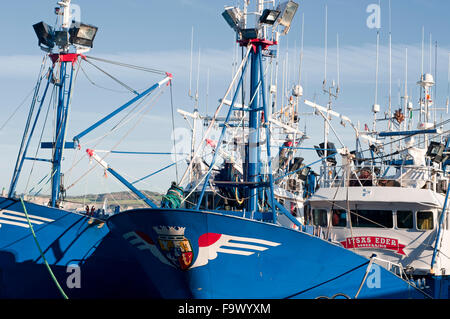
point(77, 138)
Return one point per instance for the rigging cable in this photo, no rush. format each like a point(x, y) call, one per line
point(140, 68)
point(113, 77)
point(120, 141)
point(116, 127)
point(173, 133)
point(40, 251)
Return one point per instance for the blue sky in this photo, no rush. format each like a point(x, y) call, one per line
point(157, 34)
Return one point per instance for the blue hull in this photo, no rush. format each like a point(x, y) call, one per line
point(106, 268)
point(192, 254)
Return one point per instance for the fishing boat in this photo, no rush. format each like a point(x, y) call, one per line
point(210, 250)
point(47, 251)
point(392, 204)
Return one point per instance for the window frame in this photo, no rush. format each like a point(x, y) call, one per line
point(355, 212)
point(325, 210)
point(432, 220)
point(413, 226)
point(339, 210)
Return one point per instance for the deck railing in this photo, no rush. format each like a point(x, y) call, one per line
point(405, 176)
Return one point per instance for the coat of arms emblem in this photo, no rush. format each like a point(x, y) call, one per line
point(175, 247)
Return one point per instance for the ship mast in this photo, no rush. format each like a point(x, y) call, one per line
point(64, 45)
point(257, 39)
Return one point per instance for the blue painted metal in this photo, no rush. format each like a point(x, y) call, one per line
point(147, 153)
point(132, 188)
point(238, 258)
point(268, 143)
point(400, 162)
point(149, 175)
point(438, 236)
point(51, 145)
point(306, 148)
point(60, 133)
point(222, 135)
point(252, 173)
point(114, 113)
point(404, 133)
point(21, 156)
point(69, 241)
point(38, 159)
point(285, 212)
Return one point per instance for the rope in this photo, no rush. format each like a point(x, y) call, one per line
point(113, 78)
point(140, 68)
point(173, 132)
point(120, 141)
point(41, 253)
point(99, 86)
point(40, 77)
point(173, 198)
point(17, 109)
point(329, 280)
point(39, 143)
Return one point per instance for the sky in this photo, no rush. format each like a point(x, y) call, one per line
point(157, 34)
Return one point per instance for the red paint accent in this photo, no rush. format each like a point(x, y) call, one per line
point(90, 152)
point(66, 57)
point(208, 239)
point(374, 242)
point(170, 75)
point(145, 237)
point(211, 143)
point(258, 42)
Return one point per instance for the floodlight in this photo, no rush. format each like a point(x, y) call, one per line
point(269, 16)
point(330, 152)
point(233, 16)
point(45, 34)
point(435, 152)
point(287, 13)
point(297, 164)
point(248, 34)
point(303, 174)
point(83, 35)
point(61, 38)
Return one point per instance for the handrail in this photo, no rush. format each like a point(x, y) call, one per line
point(438, 236)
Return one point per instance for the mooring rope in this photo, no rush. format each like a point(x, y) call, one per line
point(41, 253)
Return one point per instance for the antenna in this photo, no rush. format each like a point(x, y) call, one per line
point(190, 70)
point(376, 107)
point(435, 81)
point(337, 64)
point(390, 70)
point(326, 46)
point(301, 50)
point(198, 79)
point(423, 48)
point(448, 83)
point(430, 55)
point(207, 92)
point(406, 82)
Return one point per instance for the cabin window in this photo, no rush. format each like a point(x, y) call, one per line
point(372, 218)
point(320, 217)
point(339, 217)
point(425, 220)
point(404, 219)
